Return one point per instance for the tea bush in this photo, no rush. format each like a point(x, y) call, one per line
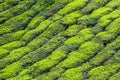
point(5, 15)
point(75, 5)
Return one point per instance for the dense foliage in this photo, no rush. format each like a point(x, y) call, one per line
point(59, 39)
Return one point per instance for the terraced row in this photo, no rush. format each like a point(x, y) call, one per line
point(59, 40)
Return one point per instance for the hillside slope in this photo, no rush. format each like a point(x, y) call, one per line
point(59, 39)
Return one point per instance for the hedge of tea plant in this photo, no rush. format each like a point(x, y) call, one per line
point(59, 39)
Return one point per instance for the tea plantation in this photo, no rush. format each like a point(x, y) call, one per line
point(59, 39)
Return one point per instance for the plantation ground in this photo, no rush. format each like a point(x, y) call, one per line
point(59, 39)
